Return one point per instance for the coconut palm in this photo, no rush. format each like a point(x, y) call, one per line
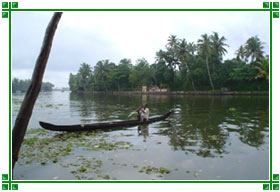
point(254, 48)
point(182, 51)
point(172, 43)
point(240, 53)
point(204, 46)
point(263, 68)
point(183, 55)
point(160, 55)
point(218, 45)
point(218, 48)
point(100, 74)
point(84, 73)
point(191, 48)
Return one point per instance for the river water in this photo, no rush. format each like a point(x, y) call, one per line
point(207, 138)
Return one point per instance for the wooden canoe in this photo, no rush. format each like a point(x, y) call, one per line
point(102, 126)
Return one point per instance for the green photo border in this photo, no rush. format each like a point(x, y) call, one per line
point(9, 184)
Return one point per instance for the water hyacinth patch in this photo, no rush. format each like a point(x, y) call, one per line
point(41, 146)
point(149, 170)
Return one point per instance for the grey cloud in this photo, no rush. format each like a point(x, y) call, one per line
point(70, 47)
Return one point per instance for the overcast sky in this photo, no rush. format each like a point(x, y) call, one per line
point(92, 36)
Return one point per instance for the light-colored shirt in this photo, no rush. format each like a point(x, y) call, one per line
point(145, 114)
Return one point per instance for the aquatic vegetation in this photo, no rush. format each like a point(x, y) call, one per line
point(44, 147)
point(149, 170)
point(206, 133)
point(232, 109)
point(195, 174)
point(41, 146)
point(86, 168)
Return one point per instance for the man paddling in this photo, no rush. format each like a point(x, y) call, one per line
point(144, 113)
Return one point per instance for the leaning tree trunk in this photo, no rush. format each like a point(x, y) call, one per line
point(210, 79)
point(28, 103)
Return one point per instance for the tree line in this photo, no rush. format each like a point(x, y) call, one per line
point(22, 85)
point(182, 65)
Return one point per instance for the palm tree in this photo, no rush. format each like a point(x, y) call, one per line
point(160, 55)
point(183, 55)
point(172, 49)
point(240, 53)
point(84, 73)
point(254, 48)
point(204, 45)
point(100, 73)
point(263, 68)
point(182, 51)
point(191, 48)
point(172, 43)
point(218, 45)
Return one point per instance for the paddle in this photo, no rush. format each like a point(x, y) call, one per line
point(134, 112)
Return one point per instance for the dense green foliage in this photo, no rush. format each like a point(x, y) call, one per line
point(22, 85)
point(182, 65)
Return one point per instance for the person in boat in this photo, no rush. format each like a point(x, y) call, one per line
point(144, 113)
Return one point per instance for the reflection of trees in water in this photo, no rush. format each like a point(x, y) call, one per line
point(104, 107)
point(253, 129)
point(201, 124)
point(81, 103)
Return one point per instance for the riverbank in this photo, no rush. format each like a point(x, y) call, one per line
point(183, 93)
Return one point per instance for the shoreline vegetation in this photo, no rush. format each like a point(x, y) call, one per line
point(218, 93)
point(21, 86)
point(181, 66)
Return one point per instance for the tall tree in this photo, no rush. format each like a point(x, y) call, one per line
point(218, 49)
point(122, 73)
point(184, 55)
point(172, 42)
point(254, 49)
point(141, 73)
point(73, 82)
point(191, 47)
point(218, 45)
point(105, 75)
point(240, 53)
point(204, 45)
point(263, 68)
point(171, 55)
point(84, 73)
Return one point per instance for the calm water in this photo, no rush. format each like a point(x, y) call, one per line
point(208, 137)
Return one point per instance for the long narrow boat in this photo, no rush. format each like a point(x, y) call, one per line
point(102, 126)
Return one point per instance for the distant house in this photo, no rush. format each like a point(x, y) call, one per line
point(156, 89)
point(144, 89)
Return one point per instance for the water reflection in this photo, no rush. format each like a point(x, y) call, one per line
point(104, 107)
point(201, 125)
point(81, 103)
point(143, 130)
point(202, 131)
